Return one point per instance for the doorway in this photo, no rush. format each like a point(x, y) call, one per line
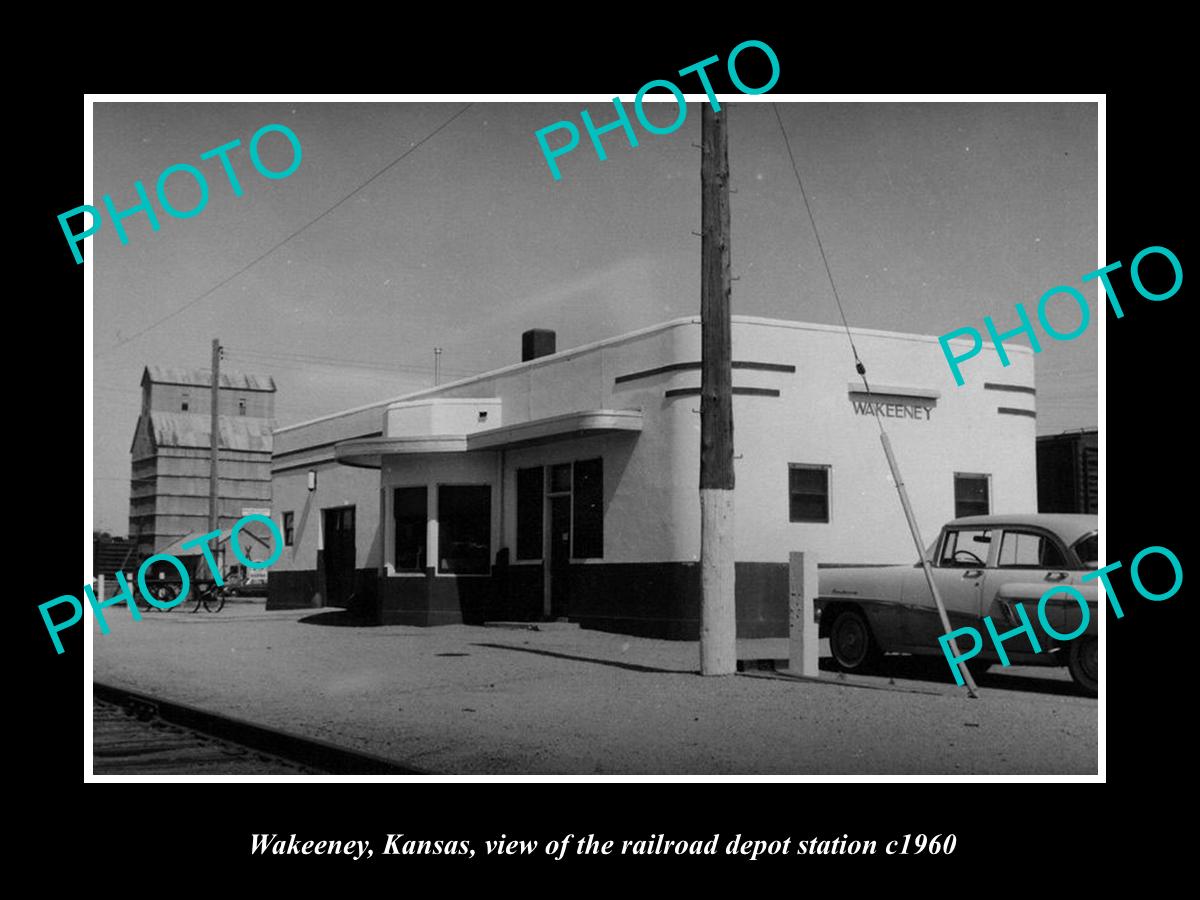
point(338, 557)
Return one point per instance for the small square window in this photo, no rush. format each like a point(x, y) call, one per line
point(808, 493)
point(971, 494)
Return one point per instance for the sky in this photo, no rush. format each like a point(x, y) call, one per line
point(932, 215)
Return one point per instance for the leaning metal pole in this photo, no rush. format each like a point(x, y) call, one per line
point(912, 526)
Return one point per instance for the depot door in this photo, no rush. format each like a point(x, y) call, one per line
point(338, 556)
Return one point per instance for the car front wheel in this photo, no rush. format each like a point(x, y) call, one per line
point(850, 641)
point(1083, 661)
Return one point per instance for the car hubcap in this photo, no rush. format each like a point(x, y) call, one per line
point(851, 642)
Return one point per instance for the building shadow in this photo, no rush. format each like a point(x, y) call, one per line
point(934, 669)
point(631, 667)
point(340, 618)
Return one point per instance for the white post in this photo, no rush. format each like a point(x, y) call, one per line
point(718, 613)
point(803, 645)
point(100, 592)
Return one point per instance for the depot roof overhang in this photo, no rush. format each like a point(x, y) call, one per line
point(368, 453)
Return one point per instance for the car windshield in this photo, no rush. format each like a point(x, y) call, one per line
point(1088, 550)
point(931, 552)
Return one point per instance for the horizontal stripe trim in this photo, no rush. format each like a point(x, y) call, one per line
point(312, 447)
point(1009, 411)
point(1014, 388)
point(750, 391)
point(686, 366)
point(311, 464)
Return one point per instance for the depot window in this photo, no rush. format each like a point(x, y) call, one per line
point(972, 494)
point(808, 493)
point(409, 506)
point(289, 529)
point(529, 512)
point(464, 529)
point(588, 510)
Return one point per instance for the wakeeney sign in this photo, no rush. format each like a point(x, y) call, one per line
point(894, 409)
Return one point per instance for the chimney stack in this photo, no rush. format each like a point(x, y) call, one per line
point(537, 342)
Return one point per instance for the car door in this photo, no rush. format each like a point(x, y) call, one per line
point(958, 571)
point(1029, 556)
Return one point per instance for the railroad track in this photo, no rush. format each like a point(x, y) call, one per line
point(136, 734)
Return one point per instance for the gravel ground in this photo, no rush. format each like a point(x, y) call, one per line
point(465, 699)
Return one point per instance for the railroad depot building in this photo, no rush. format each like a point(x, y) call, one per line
point(567, 485)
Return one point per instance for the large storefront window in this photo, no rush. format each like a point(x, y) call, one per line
point(409, 508)
point(464, 529)
point(529, 512)
point(588, 510)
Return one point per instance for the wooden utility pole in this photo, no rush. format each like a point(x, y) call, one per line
point(215, 427)
point(718, 620)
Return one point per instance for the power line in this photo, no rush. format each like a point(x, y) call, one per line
point(308, 368)
point(858, 364)
point(341, 361)
point(298, 231)
point(883, 435)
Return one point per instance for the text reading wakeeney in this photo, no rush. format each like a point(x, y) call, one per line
point(893, 410)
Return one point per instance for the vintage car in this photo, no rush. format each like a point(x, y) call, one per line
point(982, 566)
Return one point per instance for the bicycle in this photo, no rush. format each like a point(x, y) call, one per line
point(212, 596)
point(204, 593)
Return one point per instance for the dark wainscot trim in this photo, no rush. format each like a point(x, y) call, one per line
point(659, 600)
point(305, 589)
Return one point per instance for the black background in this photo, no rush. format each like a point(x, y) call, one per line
point(201, 834)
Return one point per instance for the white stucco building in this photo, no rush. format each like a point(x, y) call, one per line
point(567, 485)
